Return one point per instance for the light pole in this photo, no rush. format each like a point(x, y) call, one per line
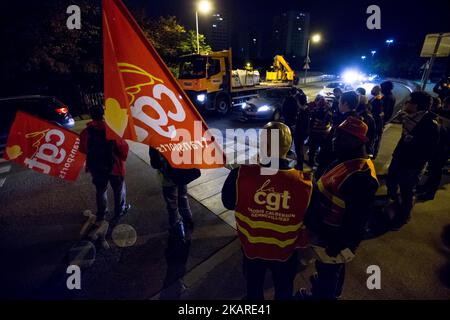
point(203, 6)
point(315, 38)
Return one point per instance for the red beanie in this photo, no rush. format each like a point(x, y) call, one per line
point(355, 127)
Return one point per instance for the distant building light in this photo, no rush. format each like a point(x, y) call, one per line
point(298, 17)
point(214, 25)
point(221, 19)
point(299, 29)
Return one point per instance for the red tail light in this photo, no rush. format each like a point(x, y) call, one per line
point(62, 110)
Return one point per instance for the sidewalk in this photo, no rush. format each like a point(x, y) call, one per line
point(412, 264)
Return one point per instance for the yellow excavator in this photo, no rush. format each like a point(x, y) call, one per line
point(282, 72)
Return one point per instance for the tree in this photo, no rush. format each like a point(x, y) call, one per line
point(189, 45)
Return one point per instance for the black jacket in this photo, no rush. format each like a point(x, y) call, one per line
point(416, 148)
point(388, 102)
point(289, 110)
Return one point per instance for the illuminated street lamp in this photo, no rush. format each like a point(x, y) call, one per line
point(204, 7)
point(363, 57)
point(373, 52)
point(315, 39)
point(389, 42)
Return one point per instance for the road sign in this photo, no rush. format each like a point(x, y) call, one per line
point(441, 40)
point(436, 45)
point(307, 60)
point(306, 66)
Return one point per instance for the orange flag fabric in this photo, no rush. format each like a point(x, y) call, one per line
point(144, 102)
point(44, 147)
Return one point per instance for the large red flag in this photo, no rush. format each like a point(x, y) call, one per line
point(44, 147)
point(144, 102)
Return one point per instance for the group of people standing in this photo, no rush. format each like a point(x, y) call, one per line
point(278, 214)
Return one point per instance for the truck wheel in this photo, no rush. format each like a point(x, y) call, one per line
point(276, 115)
point(222, 105)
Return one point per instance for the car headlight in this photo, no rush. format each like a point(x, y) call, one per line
point(263, 108)
point(201, 97)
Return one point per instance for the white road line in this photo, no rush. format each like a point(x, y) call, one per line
point(3, 160)
point(5, 169)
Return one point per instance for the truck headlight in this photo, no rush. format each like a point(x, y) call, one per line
point(263, 108)
point(201, 97)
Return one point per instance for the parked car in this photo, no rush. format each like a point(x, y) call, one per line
point(327, 91)
point(267, 106)
point(45, 107)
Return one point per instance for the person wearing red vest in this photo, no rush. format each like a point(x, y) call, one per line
point(340, 208)
point(269, 212)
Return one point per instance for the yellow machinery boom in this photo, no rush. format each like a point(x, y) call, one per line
point(281, 70)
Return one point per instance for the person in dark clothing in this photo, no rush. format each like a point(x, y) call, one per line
point(417, 145)
point(340, 208)
point(267, 240)
point(320, 127)
point(388, 99)
point(438, 161)
point(376, 107)
point(442, 88)
point(337, 92)
point(301, 130)
point(175, 196)
point(363, 111)
point(347, 105)
point(289, 109)
point(105, 160)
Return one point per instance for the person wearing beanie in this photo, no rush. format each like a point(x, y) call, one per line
point(417, 145)
point(340, 208)
point(376, 108)
point(363, 111)
point(388, 99)
point(348, 103)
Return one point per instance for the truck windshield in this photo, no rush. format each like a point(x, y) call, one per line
point(193, 68)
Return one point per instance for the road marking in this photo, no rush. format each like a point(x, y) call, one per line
point(2, 182)
point(5, 169)
point(3, 160)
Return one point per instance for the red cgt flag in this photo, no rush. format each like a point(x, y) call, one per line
point(144, 102)
point(44, 147)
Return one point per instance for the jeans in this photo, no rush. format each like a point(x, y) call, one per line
point(406, 179)
point(283, 274)
point(177, 203)
point(119, 190)
point(329, 282)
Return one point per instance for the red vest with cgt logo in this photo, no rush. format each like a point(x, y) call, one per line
point(329, 185)
point(270, 211)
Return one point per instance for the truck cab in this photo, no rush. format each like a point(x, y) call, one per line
point(206, 79)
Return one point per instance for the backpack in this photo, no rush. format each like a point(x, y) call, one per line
point(99, 159)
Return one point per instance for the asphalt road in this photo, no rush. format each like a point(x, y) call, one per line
point(41, 218)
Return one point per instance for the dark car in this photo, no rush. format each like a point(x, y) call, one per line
point(45, 107)
point(268, 105)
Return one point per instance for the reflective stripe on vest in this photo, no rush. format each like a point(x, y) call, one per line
point(270, 211)
point(329, 186)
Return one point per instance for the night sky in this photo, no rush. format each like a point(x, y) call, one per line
point(342, 23)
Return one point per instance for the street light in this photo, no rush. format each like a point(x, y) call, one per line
point(363, 57)
point(315, 39)
point(373, 52)
point(389, 42)
point(204, 7)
